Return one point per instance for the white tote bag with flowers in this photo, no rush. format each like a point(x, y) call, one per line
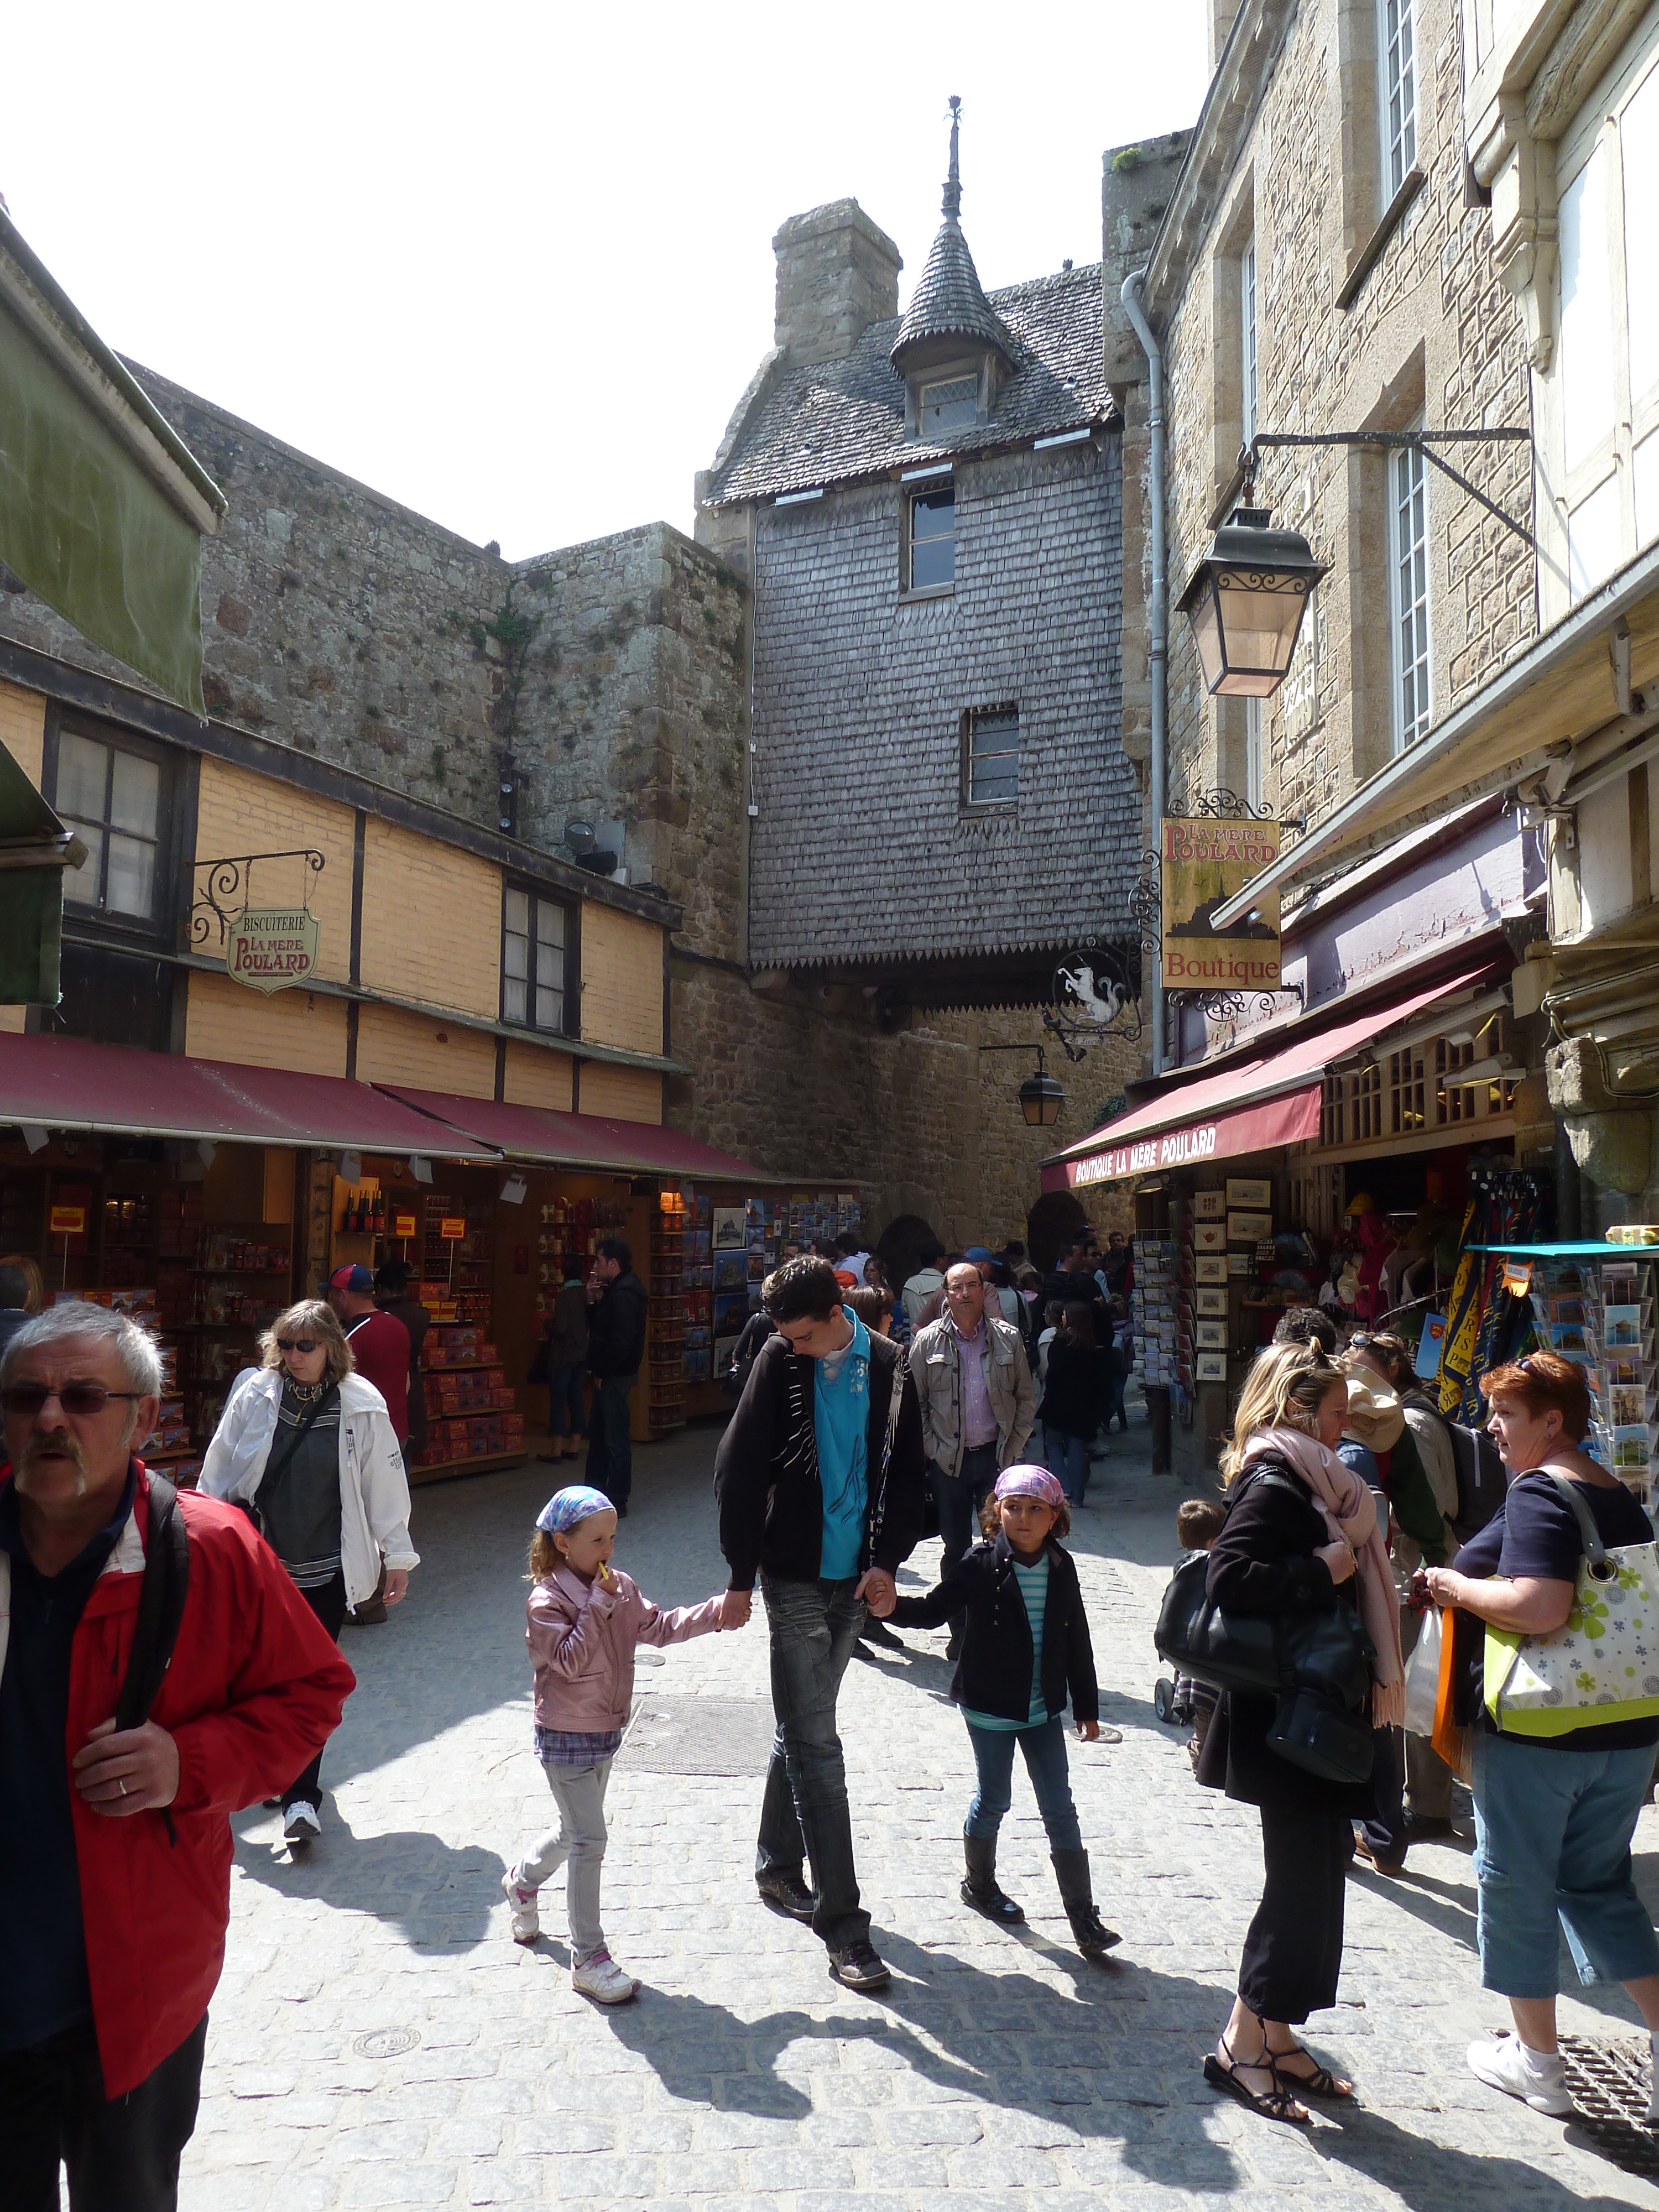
point(1603, 1665)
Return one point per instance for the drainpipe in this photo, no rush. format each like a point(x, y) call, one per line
point(1158, 649)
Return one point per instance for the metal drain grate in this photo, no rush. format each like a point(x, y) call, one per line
point(385, 2042)
point(699, 1735)
point(1608, 2082)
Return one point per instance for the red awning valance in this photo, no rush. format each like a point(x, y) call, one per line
point(591, 1140)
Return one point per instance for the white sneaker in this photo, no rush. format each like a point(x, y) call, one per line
point(1539, 2077)
point(599, 1976)
point(300, 1824)
point(526, 1919)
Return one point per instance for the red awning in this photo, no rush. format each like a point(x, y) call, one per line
point(589, 1140)
point(67, 1083)
point(1265, 1102)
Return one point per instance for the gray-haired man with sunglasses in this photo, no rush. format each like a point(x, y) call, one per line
point(115, 1858)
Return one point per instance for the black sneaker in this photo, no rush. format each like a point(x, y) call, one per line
point(787, 1892)
point(857, 1967)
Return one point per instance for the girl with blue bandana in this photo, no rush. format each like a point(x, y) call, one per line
point(585, 1619)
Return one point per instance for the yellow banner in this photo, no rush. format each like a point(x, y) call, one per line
point(1204, 863)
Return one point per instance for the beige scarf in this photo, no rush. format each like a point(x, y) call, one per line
point(1350, 1512)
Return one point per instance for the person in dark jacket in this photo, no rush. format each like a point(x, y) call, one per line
point(1025, 1649)
point(619, 1306)
point(392, 1280)
point(1285, 1549)
point(564, 1342)
point(820, 1478)
point(1077, 1395)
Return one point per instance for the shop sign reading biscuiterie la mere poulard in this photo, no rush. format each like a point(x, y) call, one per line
point(270, 948)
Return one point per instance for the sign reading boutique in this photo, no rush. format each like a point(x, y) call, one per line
point(1203, 863)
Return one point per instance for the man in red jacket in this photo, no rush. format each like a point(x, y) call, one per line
point(379, 1342)
point(115, 1846)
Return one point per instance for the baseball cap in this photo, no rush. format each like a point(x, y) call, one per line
point(976, 1253)
point(353, 1277)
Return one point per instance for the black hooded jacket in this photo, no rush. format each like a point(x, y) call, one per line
point(994, 1674)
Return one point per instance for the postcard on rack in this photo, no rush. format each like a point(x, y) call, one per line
point(1246, 1191)
point(1211, 1335)
point(1209, 1300)
point(1625, 1367)
point(730, 1226)
point(1209, 1206)
point(1248, 1228)
point(1209, 1237)
point(1622, 1327)
point(1628, 1403)
point(1568, 1336)
point(1212, 1367)
point(1632, 1448)
point(1212, 1267)
point(731, 1269)
point(1572, 1308)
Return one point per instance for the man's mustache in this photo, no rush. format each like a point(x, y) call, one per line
point(60, 1443)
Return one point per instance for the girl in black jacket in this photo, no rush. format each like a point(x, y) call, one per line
point(1024, 1646)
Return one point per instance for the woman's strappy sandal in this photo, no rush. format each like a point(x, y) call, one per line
point(1321, 2082)
point(1279, 2104)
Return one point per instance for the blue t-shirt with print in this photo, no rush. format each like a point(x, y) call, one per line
point(841, 1418)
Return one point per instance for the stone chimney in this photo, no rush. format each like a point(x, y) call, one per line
point(838, 274)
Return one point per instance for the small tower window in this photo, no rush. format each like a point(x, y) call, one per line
point(933, 537)
point(949, 406)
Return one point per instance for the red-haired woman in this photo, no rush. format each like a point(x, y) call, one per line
point(1554, 1815)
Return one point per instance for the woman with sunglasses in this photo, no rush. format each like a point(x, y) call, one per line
point(305, 1444)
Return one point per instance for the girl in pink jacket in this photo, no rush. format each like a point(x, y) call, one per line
point(585, 1620)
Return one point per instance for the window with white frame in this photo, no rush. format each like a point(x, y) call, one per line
point(112, 797)
point(932, 537)
point(1396, 82)
point(533, 939)
point(1408, 594)
point(1607, 400)
point(1246, 337)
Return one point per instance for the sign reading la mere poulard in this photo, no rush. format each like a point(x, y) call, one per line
point(271, 948)
point(1203, 863)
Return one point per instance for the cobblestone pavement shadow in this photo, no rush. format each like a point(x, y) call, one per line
point(379, 2040)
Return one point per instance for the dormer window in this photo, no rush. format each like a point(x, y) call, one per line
point(952, 405)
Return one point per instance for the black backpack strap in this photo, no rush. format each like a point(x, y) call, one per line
point(160, 1605)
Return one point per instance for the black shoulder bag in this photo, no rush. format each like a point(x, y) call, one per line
point(161, 1606)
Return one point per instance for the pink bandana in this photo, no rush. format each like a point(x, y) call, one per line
point(1029, 1482)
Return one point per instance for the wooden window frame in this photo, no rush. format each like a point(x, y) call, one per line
point(158, 926)
point(569, 988)
point(972, 720)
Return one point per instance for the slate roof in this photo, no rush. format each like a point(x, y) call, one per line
point(837, 422)
point(948, 300)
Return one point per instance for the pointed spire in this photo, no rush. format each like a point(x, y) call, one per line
point(949, 302)
point(952, 202)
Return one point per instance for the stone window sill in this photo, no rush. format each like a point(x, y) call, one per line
point(927, 592)
point(1372, 253)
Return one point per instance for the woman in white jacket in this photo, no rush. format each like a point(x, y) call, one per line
point(307, 1446)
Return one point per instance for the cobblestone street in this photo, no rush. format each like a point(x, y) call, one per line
point(378, 2038)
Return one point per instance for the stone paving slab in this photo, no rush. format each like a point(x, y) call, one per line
point(999, 2063)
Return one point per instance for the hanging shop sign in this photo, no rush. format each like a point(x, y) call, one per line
point(1203, 862)
point(271, 948)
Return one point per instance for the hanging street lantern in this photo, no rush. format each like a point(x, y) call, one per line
point(1245, 601)
point(1041, 1098)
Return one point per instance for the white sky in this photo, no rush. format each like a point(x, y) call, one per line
point(512, 263)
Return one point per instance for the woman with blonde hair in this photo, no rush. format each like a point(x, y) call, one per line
point(307, 1445)
point(1301, 1536)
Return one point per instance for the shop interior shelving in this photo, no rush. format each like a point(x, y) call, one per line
point(666, 1332)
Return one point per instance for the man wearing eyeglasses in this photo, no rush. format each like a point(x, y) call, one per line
point(115, 1844)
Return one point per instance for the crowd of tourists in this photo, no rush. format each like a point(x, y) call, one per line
point(168, 1657)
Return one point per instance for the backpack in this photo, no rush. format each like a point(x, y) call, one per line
point(1482, 1480)
point(161, 1606)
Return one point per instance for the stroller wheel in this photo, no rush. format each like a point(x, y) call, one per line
point(1163, 1699)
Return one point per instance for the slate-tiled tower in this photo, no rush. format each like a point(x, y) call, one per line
point(929, 511)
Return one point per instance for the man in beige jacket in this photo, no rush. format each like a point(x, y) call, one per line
point(978, 1403)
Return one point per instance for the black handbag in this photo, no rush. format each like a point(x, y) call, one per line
point(1313, 1733)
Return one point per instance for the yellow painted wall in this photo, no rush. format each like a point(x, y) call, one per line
point(290, 1029)
point(622, 983)
point(394, 1047)
point(534, 1078)
point(625, 1094)
point(240, 812)
point(432, 921)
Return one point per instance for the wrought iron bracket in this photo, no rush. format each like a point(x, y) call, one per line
point(1224, 805)
point(1083, 1013)
point(1420, 441)
point(228, 886)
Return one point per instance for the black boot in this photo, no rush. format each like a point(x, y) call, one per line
point(1094, 1938)
point(979, 1885)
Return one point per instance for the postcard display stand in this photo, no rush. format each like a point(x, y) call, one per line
point(731, 1245)
point(1158, 1303)
point(472, 1419)
point(1599, 1315)
point(666, 1339)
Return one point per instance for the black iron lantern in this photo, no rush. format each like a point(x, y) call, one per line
point(1041, 1098)
point(1246, 600)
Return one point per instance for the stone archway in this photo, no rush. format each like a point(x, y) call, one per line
point(1056, 1217)
point(900, 1247)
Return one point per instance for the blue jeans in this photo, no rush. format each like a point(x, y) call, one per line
point(610, 1448)
point(814, 1627)
point(1044, 1748)
point(1068, 1460)
point(1552, 1832)
point(565, 1405)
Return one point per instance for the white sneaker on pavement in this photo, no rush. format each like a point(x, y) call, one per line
point(1539, 2076)
point(599, 1976)
point(526, 1918)
point(300, 1824)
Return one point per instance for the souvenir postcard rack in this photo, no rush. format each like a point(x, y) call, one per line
point(1594, 1305)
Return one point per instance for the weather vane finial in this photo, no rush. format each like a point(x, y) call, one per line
point(953, 184)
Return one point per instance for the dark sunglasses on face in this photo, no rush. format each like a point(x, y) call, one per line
point(80, 1400)
point(296, 1344)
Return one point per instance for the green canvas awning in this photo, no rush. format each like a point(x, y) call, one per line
point(102, 506)
point(35, 848)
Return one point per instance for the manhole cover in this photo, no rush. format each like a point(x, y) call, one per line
point(699, 1735)
point(1609, 2087)
point(386, 2042)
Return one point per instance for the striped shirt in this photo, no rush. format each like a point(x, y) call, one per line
point(1033, 1582)
point(575, 1746)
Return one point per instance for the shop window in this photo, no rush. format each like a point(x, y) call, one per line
point(1406, 1093)
point(950, 405)
point(534, 935)
point(1368, 1104)
point(1332, 1118)
point(114, 797)
point(990, 740)
point(1454, 1102)
point(933, 519)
